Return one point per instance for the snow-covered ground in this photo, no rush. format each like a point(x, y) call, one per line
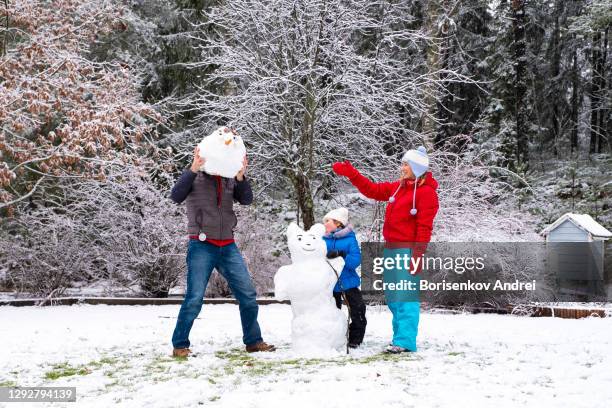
point(120, 355)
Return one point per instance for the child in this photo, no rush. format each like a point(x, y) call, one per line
point(341, 241)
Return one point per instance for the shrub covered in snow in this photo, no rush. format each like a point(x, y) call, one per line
point(120, 229)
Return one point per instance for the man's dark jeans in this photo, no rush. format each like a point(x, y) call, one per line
point(202, 258)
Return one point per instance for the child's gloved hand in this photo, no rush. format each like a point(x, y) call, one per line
point(344, 168)
point(334, 254)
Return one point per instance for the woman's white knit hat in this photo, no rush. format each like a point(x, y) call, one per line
point(339, 214)
point(417, 159)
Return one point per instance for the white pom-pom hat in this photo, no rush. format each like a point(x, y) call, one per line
point(338, 214)
point(417, 159)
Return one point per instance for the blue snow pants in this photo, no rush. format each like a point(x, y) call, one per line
point(404, 303)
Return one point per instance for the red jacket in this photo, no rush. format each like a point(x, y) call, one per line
point(400, 225)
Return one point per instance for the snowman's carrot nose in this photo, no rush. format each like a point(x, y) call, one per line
point(227, 142)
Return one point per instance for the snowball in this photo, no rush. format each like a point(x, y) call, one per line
point(223, 152)
point(318, 327)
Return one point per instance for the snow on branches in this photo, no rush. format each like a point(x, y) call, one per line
point(63, 113)
point(308, 83)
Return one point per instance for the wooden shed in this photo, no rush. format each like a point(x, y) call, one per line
point(577, 249)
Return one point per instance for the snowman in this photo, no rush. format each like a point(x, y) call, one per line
point(318, 326)
point(223, 152)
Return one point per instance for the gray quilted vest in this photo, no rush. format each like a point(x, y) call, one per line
point(205, 213)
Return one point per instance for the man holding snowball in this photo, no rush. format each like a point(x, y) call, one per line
point(211, 221)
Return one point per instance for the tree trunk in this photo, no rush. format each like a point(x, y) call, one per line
point(555, 69)
point(428, 124)
point(4, 40)
point(518, 26)
point(575, 107)
point(603, 111)
point(596, 90)
point(305, 203)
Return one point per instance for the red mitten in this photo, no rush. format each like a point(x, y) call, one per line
point(344, 168)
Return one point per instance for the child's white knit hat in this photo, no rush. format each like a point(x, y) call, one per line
point(339, 214)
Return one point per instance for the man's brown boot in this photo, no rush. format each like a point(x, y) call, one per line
point(261, 346)
point(180, 352)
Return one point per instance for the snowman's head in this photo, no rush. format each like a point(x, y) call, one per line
point(224, 151)
point(227, 139)
point(305, 245)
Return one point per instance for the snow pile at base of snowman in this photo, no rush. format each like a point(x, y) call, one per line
point(318, 326)
point(223, 151)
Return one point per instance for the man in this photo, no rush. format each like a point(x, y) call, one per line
point(210, 224)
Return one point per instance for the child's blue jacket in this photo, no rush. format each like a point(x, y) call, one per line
point(344, 240)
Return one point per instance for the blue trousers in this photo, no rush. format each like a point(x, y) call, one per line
point(405, 323)
point(202, 258)
point(404, 304)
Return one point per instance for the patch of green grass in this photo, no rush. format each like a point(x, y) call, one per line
point(66, 370)
point(102, 361)
point(239, 360)
point(154, 368)
point(159, 364)
point(266, 368)
point(455, 353)
point(235, 355)
point(386, 357)
point(8, 384)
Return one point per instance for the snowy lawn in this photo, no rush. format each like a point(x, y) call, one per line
point(120, 355)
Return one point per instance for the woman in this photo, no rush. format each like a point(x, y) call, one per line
point(412, 207)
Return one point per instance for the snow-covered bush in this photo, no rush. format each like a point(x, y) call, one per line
point(138, 231)
point(120, 230)
point(46, 253)
point(475, 205)
point(258, 239)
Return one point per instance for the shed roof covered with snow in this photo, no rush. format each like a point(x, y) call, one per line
point(575, 227)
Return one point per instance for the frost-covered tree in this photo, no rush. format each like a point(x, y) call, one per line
point(308, 83)
point(62, 112)
point(594, 25)
point(505, 118)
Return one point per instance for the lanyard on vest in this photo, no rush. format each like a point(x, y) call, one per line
point(198, 219)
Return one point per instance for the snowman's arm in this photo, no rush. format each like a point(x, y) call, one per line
point(282, 281)
point(243, 192)
point(182, 187)
point(337, 263)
